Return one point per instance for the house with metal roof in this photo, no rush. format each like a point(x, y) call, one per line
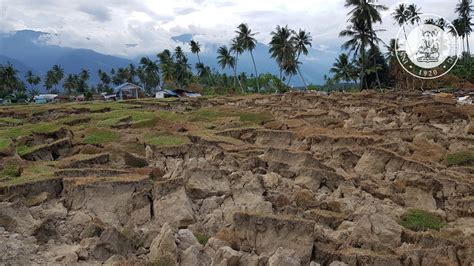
point(129, 91)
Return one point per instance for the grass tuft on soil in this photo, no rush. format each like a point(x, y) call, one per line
point(462, 158)
point(201, 238)
point(100, 136)
point(165, 140)
point(420, 220)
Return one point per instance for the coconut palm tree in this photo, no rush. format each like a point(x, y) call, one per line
point(8, 78)
point(366, 10)
point(249, 43)
point(282, 46)
point(415, 13)
point(302, 41)
point(70, 83)
point(167, 66)
point(237, 48)
point(195, 49)
point(363, 15)
point(290, 67)
point(32, 79)
point(402, 15)
point(465, 10)
point(182, 68)
point(391, 54)
point(459, 30)
point(150, 73)
point(225, 59)
point(362, 37)
point(343, 69)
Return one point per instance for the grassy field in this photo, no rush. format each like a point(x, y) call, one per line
point(110, 126)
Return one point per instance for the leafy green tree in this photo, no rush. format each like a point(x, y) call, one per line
point(246, 38)
point(8, 79)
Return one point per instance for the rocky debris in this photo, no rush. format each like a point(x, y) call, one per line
point(163, 247)
point(329, 181)
point(266, 234)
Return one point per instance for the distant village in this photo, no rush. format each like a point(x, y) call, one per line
point(125, 91)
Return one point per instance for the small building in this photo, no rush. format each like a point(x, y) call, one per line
point(45, 98)
point(176, 93)
point(129, 91)
point(165, 94)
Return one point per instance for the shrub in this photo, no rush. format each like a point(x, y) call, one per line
point(201, 238)
point(420, 220)
point(460, 158)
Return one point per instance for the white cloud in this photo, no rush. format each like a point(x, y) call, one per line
point(111, 26)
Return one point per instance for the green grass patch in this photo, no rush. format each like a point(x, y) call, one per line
point(420, 220)
point(45, 127)
point(10, 120)
point(100, 136)
point(112, 118)
point(165, 140)
point(201, 238)
point(256, 118)
point(462, 158)
point(10, 170)
point(4, 143)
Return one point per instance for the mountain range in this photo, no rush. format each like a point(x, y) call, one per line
point(27, 50)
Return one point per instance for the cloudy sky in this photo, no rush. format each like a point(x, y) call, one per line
point(133, 27)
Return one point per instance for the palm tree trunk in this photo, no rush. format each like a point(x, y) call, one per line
point(199, 58)
point(302, 78)
point(362, 72)
point(289, 80)
point(256, 73)
point(238, 77)
point(468, 47)
point(377, 74)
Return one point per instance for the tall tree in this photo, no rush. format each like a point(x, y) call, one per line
point(402, 15)
point(225, 59)
point(54, 77)
point(182, 68)
point(237, 48)
point(8, 79)
point(361, 38)
point(247, 39)
point(151, 73)
point(32, 79)
point(363, 14)
point(70, 83)
point(282, 47)
point(167, 66)
point(465, 10)
point(343, 69)
point(195, 49)
point(302, 41)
